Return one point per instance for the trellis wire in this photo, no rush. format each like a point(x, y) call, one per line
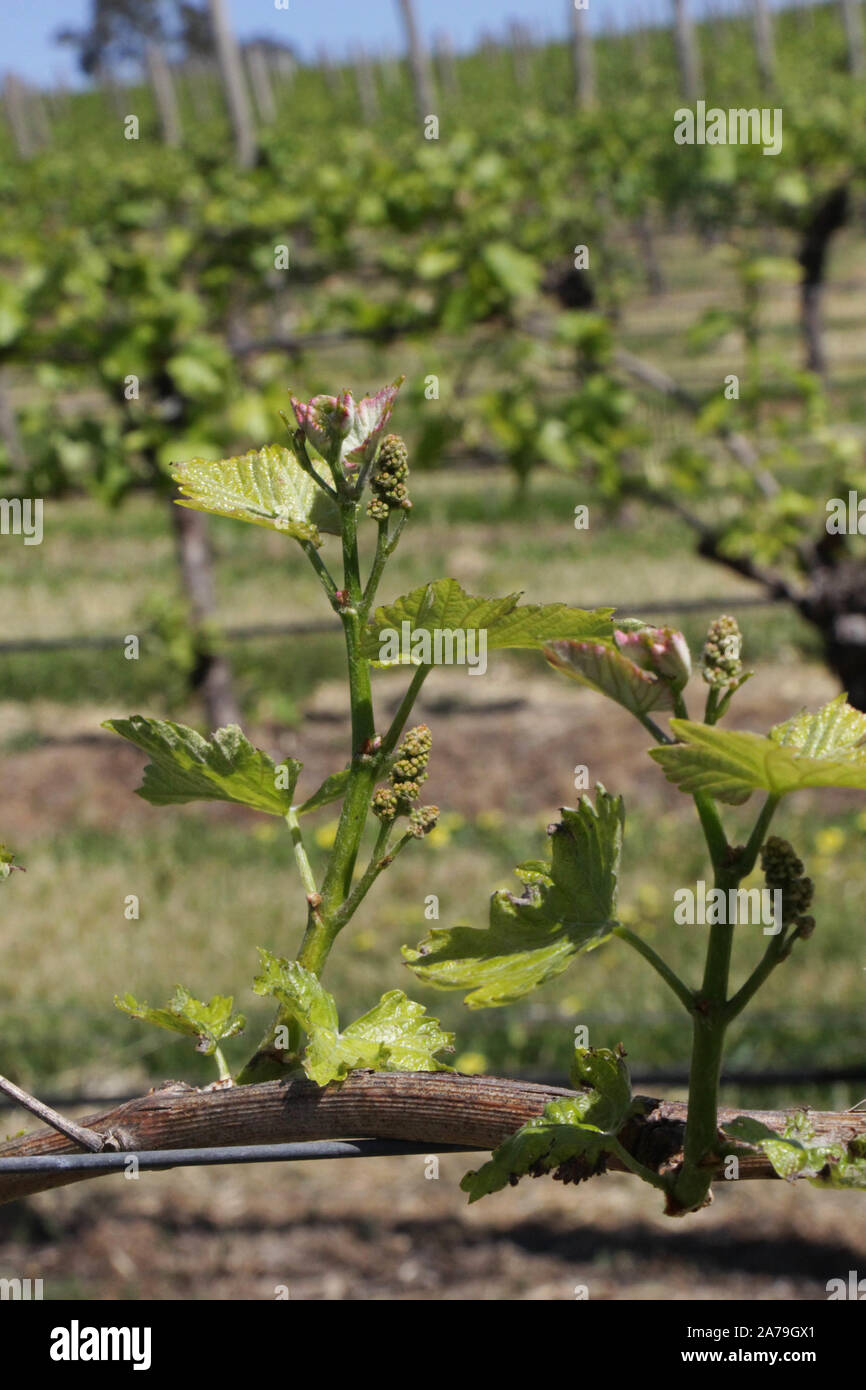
point(157, 1159)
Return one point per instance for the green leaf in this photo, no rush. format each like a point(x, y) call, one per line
point(395, 1035)
point(542, 1144)
point(514, 271)
point(567, 906)
point(332, 789)
point(225, 767)
point(607, 670)
point(603, 1076)
point(265, 486)
point(210, 1023)
point(825, 749)
point(832, 1163)
point(443, 606)
point(582, 1126)
point(7, 863)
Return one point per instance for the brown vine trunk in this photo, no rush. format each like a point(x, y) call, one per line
point(211, 677)
point(424, 1107)
point(827, 218)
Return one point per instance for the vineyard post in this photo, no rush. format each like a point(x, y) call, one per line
point(422, 81)
point(285, 68)
point(234, 85)
point(519, 55)
point(368, 96)
point(213, 675)
point(853, 20)
point(18, 116)
point(260, 81)
point(765, 49)
point(445, 66)
point(197, 75)
point(688, 54)
point(328, 71)
point(164, 95)
point(584, 66)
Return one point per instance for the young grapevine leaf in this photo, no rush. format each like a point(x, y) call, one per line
point(443, 606)
point(567, 906)
point(607, 670)
point(7, 862)
point(580, 1127)
point(395, 1035)
point(225, 767)
point(332, 789)
point(602, 1075)
point(355, 427)
point(210, 1023)
point(825, 749)
point(828, 1164)
point(265, 486)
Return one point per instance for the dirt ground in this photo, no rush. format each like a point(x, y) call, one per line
point(513, 744)
point(379, 1228)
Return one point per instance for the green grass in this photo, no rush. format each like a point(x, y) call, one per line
point(210, 892)
point(99, 575)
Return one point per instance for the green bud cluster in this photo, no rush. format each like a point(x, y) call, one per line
point(720, 659)
point(384, 803)
point(388, 483)
point(784, 870)
point(422, 820)
point(406, 776)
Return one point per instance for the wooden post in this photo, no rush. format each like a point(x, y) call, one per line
point(581, 48)
point(260, 81)
point(446, 70)
point(765, 49)
point(422, 81)
point(367, 92)
point(198, 87)
point(688, 55)
point(234, 86)
point(16, 111)
point(164, 95)
point(212, 678)
point(285, 68)
point(853, 20)
point(520, 55)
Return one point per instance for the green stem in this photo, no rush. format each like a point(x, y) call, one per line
point(713, 1011)
point(680, 989)
point(653, 728)
point(380, 859)
point(303, 863)
point(680, 710)
point(325, 576)
point(363, 769)
point(777, 949)
point(748, 858)
point(398, 723)
point(639, 1169)
point(298, 444)
point(713, 830)
point(694, 1179)
point(224, 1073)
point(379, 562)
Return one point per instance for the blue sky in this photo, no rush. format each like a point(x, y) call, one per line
point(27, 27)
